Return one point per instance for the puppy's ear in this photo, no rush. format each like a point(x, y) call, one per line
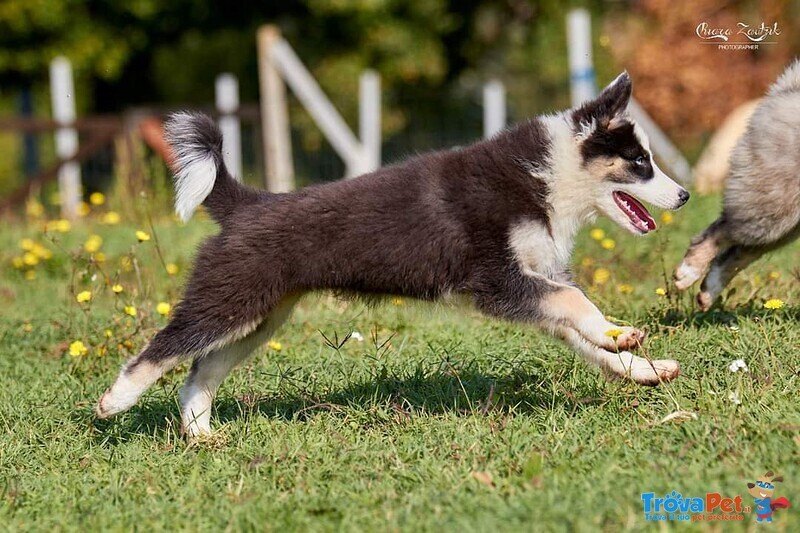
point(778, 478)
point(751, 485)
point(769, 474)
point(611, 103)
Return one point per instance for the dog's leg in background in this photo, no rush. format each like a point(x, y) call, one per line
point(723, 269)
point(702, 251)
point(208, 371)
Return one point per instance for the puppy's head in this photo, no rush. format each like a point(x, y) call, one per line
point(615, 152)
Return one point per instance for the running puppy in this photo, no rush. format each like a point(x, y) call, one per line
point(761, 206)
point(495, 220)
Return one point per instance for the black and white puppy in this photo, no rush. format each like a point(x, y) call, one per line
point(495, 220)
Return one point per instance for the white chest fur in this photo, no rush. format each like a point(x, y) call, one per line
point(539, 251)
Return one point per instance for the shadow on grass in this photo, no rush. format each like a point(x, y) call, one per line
point(720, 316)
point(384, 399)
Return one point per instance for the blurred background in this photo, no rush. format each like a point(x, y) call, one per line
point(136, 59)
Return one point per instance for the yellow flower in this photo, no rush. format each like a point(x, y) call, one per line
point(613, 333)
point(30, 259)
point(624, 288)
point(41, 252)
point(608, 244)
point(667, 218)
point(126, 263)
point(100, 257)
point(17, 262)
point(83, 209)
point(773, 303)
point(587, 262)
point(774, 275)
point(78, 349)
point(661, 291)
point(111, 218)
point(172, 269)
point(30, 275)
point(597, 234)
point(93, 243)
point(34, 209)
point(83, 296)
point(62, 225)
point(600, 276)
point(27, 244)
point(97, 198)
point(117, 288)
point(275, 345)
point(108, 333)
point(163, 308)
point(397, 301)
point(28, 327)
point(142, 236)
point(130, 310)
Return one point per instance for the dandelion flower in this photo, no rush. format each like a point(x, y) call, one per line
point(275, 345)
point(597, 234)
point(108, 333)
point(773, 303)
point(172, 269)
point(600, 276)
point(163, 308)
point(34, 209)
point(624, 288)
point(737, 365)
point(93, 243)
point(62, 225)
point(78, 349)
point(41, 251)
point(111, 218)
point(774, 275)
point(83, 297)
point(117, 288)
point(17, 262)
point(661, 291)
point(97, 198)
point(27, 244)
point(667, 218)
point(30, 259)
point(613, 333)
point(30, 275)
point(608, 244)
point(100, 257)
point(397, 301)
point(129, 310)
point(587, 262)
point(142, 236)
point(28, 327)
point(83, 209)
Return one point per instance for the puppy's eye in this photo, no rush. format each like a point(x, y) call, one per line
point(639, 161)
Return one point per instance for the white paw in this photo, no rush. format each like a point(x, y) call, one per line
point(685, 276)
point(651, 373)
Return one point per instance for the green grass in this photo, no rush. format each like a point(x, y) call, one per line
point(439, 419)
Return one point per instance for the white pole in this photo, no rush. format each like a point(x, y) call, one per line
point(274, 115)
point(308, 91)
point(369, 118)
point(581, 71)
point(62, 91)
point(494, 108)
point(227, 99)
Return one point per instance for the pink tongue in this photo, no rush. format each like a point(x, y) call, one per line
point(635, 211)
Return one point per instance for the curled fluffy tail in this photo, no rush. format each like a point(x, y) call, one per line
point(200, 173)
point(789, 81)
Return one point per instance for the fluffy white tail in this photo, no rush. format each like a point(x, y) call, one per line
point(197, 146)
point(788, 81)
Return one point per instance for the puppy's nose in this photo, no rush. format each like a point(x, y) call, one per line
point(683, 197)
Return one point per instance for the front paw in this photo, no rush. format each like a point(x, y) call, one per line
point(630, 339)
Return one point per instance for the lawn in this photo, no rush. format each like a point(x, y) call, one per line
point(438, 419)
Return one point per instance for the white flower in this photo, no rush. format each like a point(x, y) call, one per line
point(733, 396)
point(357, 336)
point(737, 365)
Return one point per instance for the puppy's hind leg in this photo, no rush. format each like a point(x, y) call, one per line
point(208, 371)
point(702, 251)
point(723, 269)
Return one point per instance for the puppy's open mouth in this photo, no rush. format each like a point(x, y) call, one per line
point(635, 211)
